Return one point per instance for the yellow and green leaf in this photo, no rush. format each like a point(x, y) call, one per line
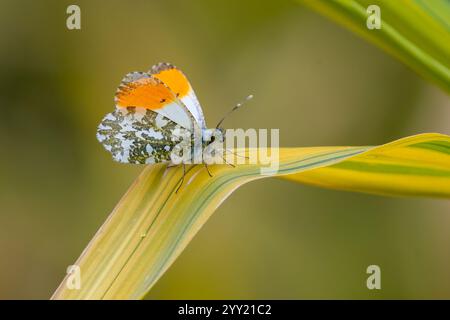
point(415, 31)
point(152, 224)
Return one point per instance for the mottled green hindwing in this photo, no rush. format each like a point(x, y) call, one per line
point(139, 136)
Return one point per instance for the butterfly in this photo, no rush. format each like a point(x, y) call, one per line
point(155, 112)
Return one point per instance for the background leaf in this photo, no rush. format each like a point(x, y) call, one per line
point(415, 31)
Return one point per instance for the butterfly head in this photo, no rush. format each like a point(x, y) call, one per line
point(213, 135)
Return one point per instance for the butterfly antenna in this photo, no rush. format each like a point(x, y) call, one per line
point(237, 106)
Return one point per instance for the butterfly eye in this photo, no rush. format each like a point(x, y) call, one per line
point(162, 100)
point(177, 94)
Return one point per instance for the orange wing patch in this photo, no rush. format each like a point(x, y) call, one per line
point(179, 85)
point(144, 91)
point(172, 77)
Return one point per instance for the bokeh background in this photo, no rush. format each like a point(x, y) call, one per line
point(315, 81)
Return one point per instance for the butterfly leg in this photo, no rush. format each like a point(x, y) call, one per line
point(182, 178)
point(207, 169)
point(230, 164)
point(237, 154)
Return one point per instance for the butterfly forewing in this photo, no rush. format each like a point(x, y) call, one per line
point(175, 79)
point(142, 90)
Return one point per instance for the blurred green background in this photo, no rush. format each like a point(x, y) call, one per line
point(316, 82)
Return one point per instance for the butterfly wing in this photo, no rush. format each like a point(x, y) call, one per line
point(155, 112)
point(142, 90)
point(179, 84)
point(139, 136)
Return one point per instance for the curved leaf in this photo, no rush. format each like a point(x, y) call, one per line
point(413, 166)
point(152, 224)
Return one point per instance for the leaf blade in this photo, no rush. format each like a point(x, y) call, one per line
point(152, 225)
point(414, 166)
